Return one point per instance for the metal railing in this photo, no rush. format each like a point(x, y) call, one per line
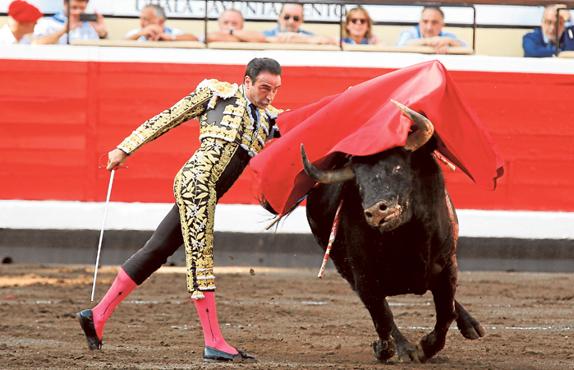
point(343, 4)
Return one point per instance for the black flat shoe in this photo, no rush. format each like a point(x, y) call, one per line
point(86, 318)
point(212, 354)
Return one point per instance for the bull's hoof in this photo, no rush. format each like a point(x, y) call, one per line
point(408, 352)
point(470, 328)
point(384, 350)
point(431, 344)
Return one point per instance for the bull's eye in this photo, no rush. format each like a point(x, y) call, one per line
point(397, 169)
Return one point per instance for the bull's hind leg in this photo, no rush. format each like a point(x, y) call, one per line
point(468, 326)
point(443, 295)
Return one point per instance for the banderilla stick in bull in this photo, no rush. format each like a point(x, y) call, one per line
point(332, 237)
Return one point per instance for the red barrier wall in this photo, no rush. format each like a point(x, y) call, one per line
point(58, 118)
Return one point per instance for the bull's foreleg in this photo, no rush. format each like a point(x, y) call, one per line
point(382, 316)
point(385, 348)
point(443, 295)
point(406, 351)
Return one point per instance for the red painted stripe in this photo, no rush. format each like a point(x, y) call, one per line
point(57, 118)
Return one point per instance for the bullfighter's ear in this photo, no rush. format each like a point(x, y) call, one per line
point(424, 127)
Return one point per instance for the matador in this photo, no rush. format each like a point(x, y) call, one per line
point(235, 122)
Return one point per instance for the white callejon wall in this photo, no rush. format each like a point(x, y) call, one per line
point(66, 215)
point(62, 215)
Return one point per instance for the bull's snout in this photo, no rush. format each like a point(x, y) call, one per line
point(381, 212)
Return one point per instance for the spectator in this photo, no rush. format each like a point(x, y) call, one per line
point(53, 30)
point(566, 14)
point(429, 32)
point(541, 42)
point(22, 17)
point(359, 28)
point(153, 28)
point(288, 29)
point(230, 24)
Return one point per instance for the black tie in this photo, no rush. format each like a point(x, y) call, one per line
point(253, 111)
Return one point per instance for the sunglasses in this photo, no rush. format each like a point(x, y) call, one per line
point(296, 18)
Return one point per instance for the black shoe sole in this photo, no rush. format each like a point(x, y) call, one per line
point(215, 355)
point(86, 320)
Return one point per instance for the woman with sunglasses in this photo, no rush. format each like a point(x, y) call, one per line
point(358, 28)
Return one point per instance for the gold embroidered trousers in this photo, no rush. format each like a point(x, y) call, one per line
point(204, 178)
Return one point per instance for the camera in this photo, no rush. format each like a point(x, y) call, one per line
point(86, 17)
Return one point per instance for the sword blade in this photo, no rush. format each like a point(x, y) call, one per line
point(106, 206)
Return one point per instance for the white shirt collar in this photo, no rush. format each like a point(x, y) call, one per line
point(6, 36)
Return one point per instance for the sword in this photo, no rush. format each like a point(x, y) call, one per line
point(112, 173)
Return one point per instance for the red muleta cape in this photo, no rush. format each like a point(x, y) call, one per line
point(362, 121)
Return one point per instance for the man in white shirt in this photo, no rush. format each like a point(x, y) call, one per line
point(153, 28)
point(288, 28)
point(231, 24)
point(429, 32)
point(53, 30)
point(22, 17)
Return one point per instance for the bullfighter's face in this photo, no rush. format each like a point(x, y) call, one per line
point(263, 89)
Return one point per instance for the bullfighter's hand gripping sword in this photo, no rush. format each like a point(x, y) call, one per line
point(106, 206)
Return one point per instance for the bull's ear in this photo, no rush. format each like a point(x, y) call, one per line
point(424, 129)
point(326, 176)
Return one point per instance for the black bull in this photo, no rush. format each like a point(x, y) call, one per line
point(397, 234)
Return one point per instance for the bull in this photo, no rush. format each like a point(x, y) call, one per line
point(397, 234)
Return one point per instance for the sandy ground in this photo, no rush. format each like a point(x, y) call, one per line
point(288, 318)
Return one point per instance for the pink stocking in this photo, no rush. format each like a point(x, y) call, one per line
point(207, 312)
point(120, 289)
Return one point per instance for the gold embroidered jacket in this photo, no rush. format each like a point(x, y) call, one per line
point(223, 113)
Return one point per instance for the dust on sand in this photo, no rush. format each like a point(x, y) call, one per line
point(288, 318)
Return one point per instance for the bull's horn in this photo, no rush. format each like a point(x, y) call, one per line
point(424, 127)
point(326, 176)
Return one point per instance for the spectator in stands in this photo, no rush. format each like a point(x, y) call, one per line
point(567, 14)
point(22, 17)
point(359, 28)
point(542, 41)
point(429, 32)
point(230, 24)
point(53, 30)
point(153, 28)
point(288, 29)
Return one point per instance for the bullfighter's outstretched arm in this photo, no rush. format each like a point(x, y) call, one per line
point(191, 106)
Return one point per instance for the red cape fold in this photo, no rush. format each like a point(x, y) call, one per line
point(362, 121)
